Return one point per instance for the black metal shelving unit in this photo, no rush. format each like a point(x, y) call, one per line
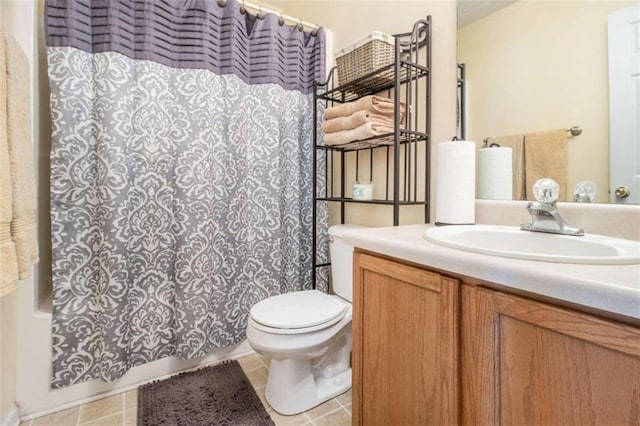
point(408, 80)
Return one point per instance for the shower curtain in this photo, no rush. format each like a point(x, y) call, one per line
point(181, 176)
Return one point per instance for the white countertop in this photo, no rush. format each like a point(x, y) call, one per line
point(612, 288)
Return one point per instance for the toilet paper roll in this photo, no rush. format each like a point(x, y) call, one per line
point(495, 178)
point(455, 183)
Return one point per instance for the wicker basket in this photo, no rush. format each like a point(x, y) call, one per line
point(365, 56)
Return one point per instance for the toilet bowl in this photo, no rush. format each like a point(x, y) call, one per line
point(307, 337)
point(309, 365)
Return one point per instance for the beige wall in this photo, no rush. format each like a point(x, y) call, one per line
point(543, 65)
point(350, 21)
point(7, 355)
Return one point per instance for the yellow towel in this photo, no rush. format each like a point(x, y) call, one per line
point(8, 262)
point(377, 104)
point(545, 155)
point(516, 143)
point(20, 150)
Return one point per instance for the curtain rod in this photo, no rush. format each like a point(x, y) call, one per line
point(261, 9)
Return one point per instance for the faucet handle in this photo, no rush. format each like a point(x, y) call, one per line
point(546, 190)
point(585, 192)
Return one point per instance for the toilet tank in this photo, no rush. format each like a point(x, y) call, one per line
point(341, 256)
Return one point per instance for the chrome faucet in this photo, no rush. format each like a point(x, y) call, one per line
point(545, 216)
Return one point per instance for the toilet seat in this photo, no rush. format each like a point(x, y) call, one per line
point(298, 312)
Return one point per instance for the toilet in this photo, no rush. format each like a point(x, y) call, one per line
point(307, 336)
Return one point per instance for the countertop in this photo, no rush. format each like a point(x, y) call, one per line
point(611, 288)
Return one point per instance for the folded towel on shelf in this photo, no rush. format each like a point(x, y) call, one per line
point(19, 148)
point(357, 119)
point(516, 143)
point(373, 103)
point(545, 155)
point(8, 261)
point(367, 130)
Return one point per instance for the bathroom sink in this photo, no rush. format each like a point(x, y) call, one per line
point(508, 241)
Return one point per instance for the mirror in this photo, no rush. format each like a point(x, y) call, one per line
point(532, 66)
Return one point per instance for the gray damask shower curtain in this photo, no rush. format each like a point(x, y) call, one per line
point(181, 176)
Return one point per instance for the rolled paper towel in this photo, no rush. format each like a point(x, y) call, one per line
point(455, 183)
point(495, 173)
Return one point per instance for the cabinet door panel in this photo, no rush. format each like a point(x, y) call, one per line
point(405, 369)
point(545, 365)
point(547, 377)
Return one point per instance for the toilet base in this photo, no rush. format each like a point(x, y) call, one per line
point(292, 387)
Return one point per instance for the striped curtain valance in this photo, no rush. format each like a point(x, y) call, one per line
point(195, 34)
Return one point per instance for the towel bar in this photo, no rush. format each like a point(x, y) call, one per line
point(574, 131)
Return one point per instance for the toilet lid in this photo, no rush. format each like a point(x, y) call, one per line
point(301, 309)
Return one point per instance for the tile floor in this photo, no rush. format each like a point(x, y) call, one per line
point(121, 409)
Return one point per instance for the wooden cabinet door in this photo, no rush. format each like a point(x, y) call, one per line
point(404, 344)
point(525, 362)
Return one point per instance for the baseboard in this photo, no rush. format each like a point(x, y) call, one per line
point(120, 390)
point(11, 419)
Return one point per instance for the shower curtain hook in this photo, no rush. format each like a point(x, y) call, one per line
point(300, 26)
point(222, 3)
point(281, 20)
point(315, 31)
point(261, 14)
point(243, 8)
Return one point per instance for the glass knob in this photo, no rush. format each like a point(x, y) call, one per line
point(546, 190)
point(585, 192)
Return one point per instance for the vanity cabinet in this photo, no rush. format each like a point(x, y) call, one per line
point(528, 362)
point(405, 325)
point(438, 349)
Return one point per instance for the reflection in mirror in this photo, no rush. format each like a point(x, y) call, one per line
point(533, 67)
